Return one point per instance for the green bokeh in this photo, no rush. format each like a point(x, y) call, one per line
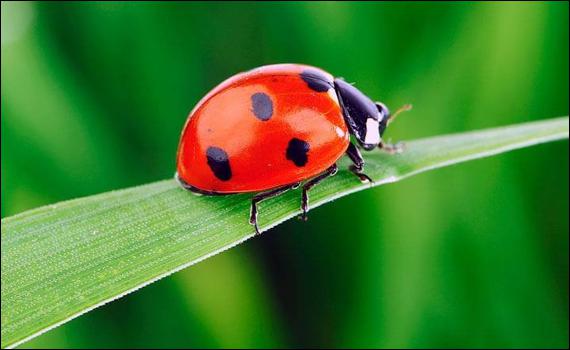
point(94, 97)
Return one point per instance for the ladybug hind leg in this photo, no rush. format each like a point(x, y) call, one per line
point(311, 183)
point(266, 195)
point(358, 163)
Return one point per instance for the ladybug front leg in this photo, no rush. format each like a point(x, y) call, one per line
point(358, 163)
point(265, 195)
point(391, 148)
point(311, 183)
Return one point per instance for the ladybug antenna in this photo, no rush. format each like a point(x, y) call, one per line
point(404, 108)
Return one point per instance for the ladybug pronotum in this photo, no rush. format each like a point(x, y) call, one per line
point(270, 129)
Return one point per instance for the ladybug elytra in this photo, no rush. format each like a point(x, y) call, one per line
point(271, 128)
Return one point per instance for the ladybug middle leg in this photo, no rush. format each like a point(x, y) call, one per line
point(358, 163)
point(266, 195)
point(310, 184)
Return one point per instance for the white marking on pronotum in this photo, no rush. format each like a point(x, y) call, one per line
point(372, 132)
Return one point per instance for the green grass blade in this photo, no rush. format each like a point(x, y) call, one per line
point(62, 260)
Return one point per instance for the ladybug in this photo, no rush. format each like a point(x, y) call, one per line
point(271, 128)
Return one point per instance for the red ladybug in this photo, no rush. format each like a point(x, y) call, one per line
point(269, 129)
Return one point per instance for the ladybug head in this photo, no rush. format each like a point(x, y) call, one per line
point(365, 119)
point(384, 117)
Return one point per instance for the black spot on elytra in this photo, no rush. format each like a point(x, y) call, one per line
point(316, 80)
point(297, 151)
point(261, 106)
point(219, 163)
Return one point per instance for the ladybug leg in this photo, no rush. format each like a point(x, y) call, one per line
point(390, 148)
point(358, 163)
point(266, 195)
point(310, 184)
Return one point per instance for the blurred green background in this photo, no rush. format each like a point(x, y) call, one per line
point(94, 97)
